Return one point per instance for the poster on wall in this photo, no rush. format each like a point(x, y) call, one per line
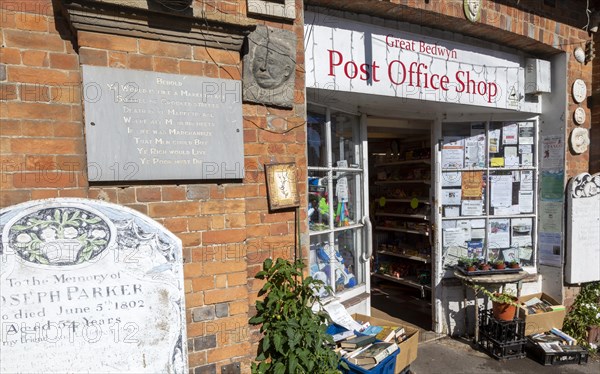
point(499, 235)
point(552, 153)
point(453, 155)
point(526, 132)
point(552, 185)
point(551, 220)
point(550, 248)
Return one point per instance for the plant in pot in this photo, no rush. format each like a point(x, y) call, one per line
point(469, 263)
point(514, 264)
point(499, 264)
point(483, 265)
point(504, 304)
point(294, 337)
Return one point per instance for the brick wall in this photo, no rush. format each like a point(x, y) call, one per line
point(226, 229)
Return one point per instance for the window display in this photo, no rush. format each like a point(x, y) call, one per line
point(488, 191)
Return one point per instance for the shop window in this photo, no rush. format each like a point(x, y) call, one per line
point(488, 191)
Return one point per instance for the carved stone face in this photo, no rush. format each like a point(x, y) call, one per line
point(472, 9)
point(270, 67)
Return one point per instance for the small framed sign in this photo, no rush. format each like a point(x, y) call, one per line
point(281, 186)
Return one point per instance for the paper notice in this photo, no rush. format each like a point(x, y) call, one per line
point(453, 152)
point(501, 190)
point(527, 180)
point(521, 232)
point(472, 207)
point(494, 141)
point(451, 197)
point(525, 201)
point(451, 179)
point(499, 235)
point(526, 133)
point(472, 185)
point(552, 153)
point(451, 211)
point(510, 133)
point(340, 316)
point(453, 237)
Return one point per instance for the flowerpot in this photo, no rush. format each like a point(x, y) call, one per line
point(500, 266)
point(484, 267)
point(514, 266)
point(471, 268)
point(504, 312)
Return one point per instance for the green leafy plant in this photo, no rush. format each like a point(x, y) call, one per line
point(294, 337)
point(468, 261)
point(583, 314)
point(505, 297)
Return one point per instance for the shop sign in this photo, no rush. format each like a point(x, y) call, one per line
point(350, 56)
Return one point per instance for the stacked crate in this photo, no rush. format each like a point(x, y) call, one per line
point(503, 340)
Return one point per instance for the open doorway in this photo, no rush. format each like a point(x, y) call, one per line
point(400, 196)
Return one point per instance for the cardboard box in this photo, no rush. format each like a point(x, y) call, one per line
point(541, 322)
point(408, 348)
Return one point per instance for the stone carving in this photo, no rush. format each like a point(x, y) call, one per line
point(269, 67)
point(472, 9)
point(97, 285)
point(585, 185)
point(579, 140)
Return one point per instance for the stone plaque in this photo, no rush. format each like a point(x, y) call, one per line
point(88, 286)
point(152, 126)
point(269, 67)
point(583, 229)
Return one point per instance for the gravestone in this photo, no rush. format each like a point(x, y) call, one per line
point(89, 286)
point(583, 233)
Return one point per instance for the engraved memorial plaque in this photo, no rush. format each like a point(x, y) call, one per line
point(155, 126)
point(88, 286)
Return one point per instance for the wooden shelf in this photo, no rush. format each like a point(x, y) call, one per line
point(399, 229)
point(414, 258)
point(416, 216)
point(420, 181)
point(407, 281)
point(404, 162)
point(407, 200)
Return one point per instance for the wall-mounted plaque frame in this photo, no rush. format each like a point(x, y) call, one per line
point(281, 186)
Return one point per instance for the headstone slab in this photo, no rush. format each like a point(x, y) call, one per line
point(89, 286)
point(269, 67)
point(583, 229)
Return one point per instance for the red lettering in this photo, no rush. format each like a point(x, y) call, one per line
point(432, 83)
point(354, 69)
point(365, 72)
point(375, 66)
point(493, 88)
point(390, 67)
point(444, 82)
point(331, 63)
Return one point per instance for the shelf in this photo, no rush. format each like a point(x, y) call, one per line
point(415, 258)
point(411, 282)
point(420, 181)
point(420, 200)
point(416, 216)
point(404, 162)
point(402, 230)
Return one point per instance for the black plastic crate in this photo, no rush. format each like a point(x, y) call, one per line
point(500, 331)
point(575, 355)
point(502, 351)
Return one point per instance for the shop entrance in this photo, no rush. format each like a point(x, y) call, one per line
point(400, 195)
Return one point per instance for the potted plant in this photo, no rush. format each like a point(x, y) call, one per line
point(514, 264)
point(499, 264)
point(469, 263)
point(294, 337)
point(504, 304)
point(483, 265)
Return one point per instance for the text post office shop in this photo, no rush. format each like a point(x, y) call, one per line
point(425, 146)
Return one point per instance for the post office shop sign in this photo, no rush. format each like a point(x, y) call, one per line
point(153, 126)
point(345, 55)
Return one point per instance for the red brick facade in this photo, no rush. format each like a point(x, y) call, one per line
point(226, 229)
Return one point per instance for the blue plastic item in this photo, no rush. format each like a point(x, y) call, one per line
point(387, 366)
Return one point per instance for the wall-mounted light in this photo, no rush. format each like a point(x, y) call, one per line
point(594, 21)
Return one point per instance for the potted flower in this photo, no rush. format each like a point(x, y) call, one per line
point(504, 304)
point(514, 264)
point(499, 264)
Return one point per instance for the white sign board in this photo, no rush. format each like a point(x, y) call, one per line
point(345, 55)
point(583, 221)
point(88, 286)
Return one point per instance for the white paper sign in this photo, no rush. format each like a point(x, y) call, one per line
point(499, 234)
point(453, 237)
point(501, 191)
point(510, 133)
point(339, 315)
point(451, 197)
point(525, 201)
point(471, 207)
point(451, 179)
point(526, 133)
point(521, 232)
point(453, 152)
